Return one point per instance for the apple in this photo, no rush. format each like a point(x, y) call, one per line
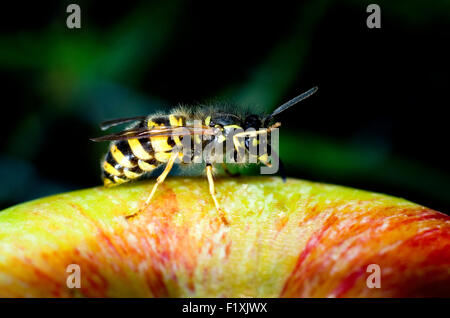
point(293, 239)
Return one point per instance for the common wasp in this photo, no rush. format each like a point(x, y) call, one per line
point(162, 138)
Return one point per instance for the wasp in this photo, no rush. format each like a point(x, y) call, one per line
point(157, 139)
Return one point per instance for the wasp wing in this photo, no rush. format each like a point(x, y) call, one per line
point(160, 131)
point(114, 122)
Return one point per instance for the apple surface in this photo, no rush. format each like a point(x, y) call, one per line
point(293, 239)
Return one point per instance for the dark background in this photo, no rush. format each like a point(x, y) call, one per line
point(378, 122)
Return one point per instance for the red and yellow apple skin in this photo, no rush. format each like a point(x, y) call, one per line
point(294, 239)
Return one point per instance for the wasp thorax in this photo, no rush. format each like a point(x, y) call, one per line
point(224, 120)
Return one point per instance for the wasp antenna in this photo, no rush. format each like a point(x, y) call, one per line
point(291, 103)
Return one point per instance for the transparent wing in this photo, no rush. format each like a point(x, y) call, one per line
point(159, 131)
point(114, 122)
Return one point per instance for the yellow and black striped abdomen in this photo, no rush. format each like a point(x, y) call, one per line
point(127, 160)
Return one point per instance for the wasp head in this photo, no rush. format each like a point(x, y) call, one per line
point(252, 121)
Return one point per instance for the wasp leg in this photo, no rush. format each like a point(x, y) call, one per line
point(159, 180)
point(228, 172)
point(212, 191)
point(282, 169)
